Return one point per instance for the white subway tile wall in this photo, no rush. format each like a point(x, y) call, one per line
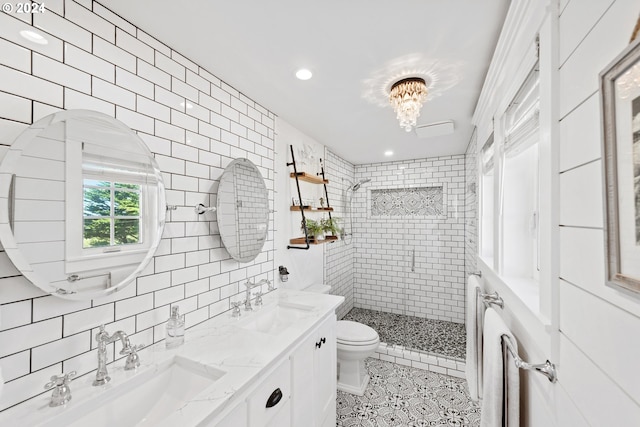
point(471, 207)
point(417, 359)
point(192, 122)
point(339, 255)
point(386, 248)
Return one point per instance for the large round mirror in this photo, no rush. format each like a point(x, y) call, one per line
point(83, 204)
point(242, 210)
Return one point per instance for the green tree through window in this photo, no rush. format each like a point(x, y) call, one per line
point(111, 213)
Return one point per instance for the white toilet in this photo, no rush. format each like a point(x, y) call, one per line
point(356, 342)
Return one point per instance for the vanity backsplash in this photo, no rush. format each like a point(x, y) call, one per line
point(193, 123)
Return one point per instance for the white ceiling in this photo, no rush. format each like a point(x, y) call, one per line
point(355, 48)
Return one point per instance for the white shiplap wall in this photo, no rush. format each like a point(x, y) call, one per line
point(596, 323)
point(588, 329)
point(96, 60)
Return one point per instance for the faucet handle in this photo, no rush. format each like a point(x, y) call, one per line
point(59, 380)
point(62, 392)
point(133, 360)
point(131, 349)
point(236, 308)
point(258, 296)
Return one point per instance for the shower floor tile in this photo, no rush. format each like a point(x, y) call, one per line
point(432, 336)
point(399, 395)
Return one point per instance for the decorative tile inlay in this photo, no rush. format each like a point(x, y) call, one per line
point(404, 396)
point(433, 336)
point(422, 201)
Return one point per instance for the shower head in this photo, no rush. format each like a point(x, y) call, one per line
point(357, 185)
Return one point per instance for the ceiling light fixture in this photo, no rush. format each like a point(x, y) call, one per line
point(388, 153)
point(32, 36)
point(303, 74)
point(407, 96)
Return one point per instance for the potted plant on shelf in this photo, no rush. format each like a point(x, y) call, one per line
point(315, 231)
point(330, 225)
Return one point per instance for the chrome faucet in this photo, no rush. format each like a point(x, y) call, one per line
point(103, 338)
point(249, 286)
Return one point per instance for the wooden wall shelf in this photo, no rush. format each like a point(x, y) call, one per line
point(304, 176)
point(310, 209)
point(305, 242)
point(301, 241)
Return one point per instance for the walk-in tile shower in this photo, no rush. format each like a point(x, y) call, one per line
point(401, 264)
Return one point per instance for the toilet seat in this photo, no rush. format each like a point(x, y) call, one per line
point(354, 333)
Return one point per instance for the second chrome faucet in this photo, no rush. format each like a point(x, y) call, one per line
point(103, 338)
point(249, 286)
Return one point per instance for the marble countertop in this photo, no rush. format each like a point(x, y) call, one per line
point(222, 343)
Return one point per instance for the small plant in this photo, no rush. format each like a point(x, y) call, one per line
point(314, 228)
point(330, 225)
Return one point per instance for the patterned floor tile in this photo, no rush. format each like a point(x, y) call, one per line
point(409, 397)
point(433, 336)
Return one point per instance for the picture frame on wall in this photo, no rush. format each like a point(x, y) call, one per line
point(620, 101)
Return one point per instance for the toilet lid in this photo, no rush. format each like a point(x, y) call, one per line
point(348, 331)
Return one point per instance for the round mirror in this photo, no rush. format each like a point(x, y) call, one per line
point(242, 210)
point(83, 204)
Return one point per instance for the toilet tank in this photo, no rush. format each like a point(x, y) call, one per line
point(318, 289)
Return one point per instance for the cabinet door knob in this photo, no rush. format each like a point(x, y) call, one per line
point(275, 397)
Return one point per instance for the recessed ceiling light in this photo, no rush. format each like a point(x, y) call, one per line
point(388, 153)
point(33, 37)
point(303, 74)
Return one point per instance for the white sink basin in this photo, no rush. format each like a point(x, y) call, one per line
point(273, 320)
point(147, 399)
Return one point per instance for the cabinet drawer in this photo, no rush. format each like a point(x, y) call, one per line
point(237, 417)
point(282, 418)
point(280, 379)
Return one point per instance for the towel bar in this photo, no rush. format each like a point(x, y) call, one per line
point(490, 299)
point(74, 278)
point(547, 369)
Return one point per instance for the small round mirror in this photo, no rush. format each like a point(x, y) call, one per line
point(83, 204)
point(242, 210)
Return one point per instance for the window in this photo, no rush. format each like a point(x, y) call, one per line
point(111, 213)
point(520, 182)
point(487, 182)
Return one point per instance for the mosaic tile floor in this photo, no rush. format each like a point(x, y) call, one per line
point(433, 336)
point(399, 395)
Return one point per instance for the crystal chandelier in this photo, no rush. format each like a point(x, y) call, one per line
point(407, 96)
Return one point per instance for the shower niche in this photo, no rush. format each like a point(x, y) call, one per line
point(414, 202)
point(317, 207)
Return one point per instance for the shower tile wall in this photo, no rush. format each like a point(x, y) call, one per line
point(382, 279)
point(471, 207)
point(339, 256)
point(95, 60)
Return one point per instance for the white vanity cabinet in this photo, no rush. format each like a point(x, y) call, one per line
point(274, 367)
point(301, 388)
point(314, 377)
